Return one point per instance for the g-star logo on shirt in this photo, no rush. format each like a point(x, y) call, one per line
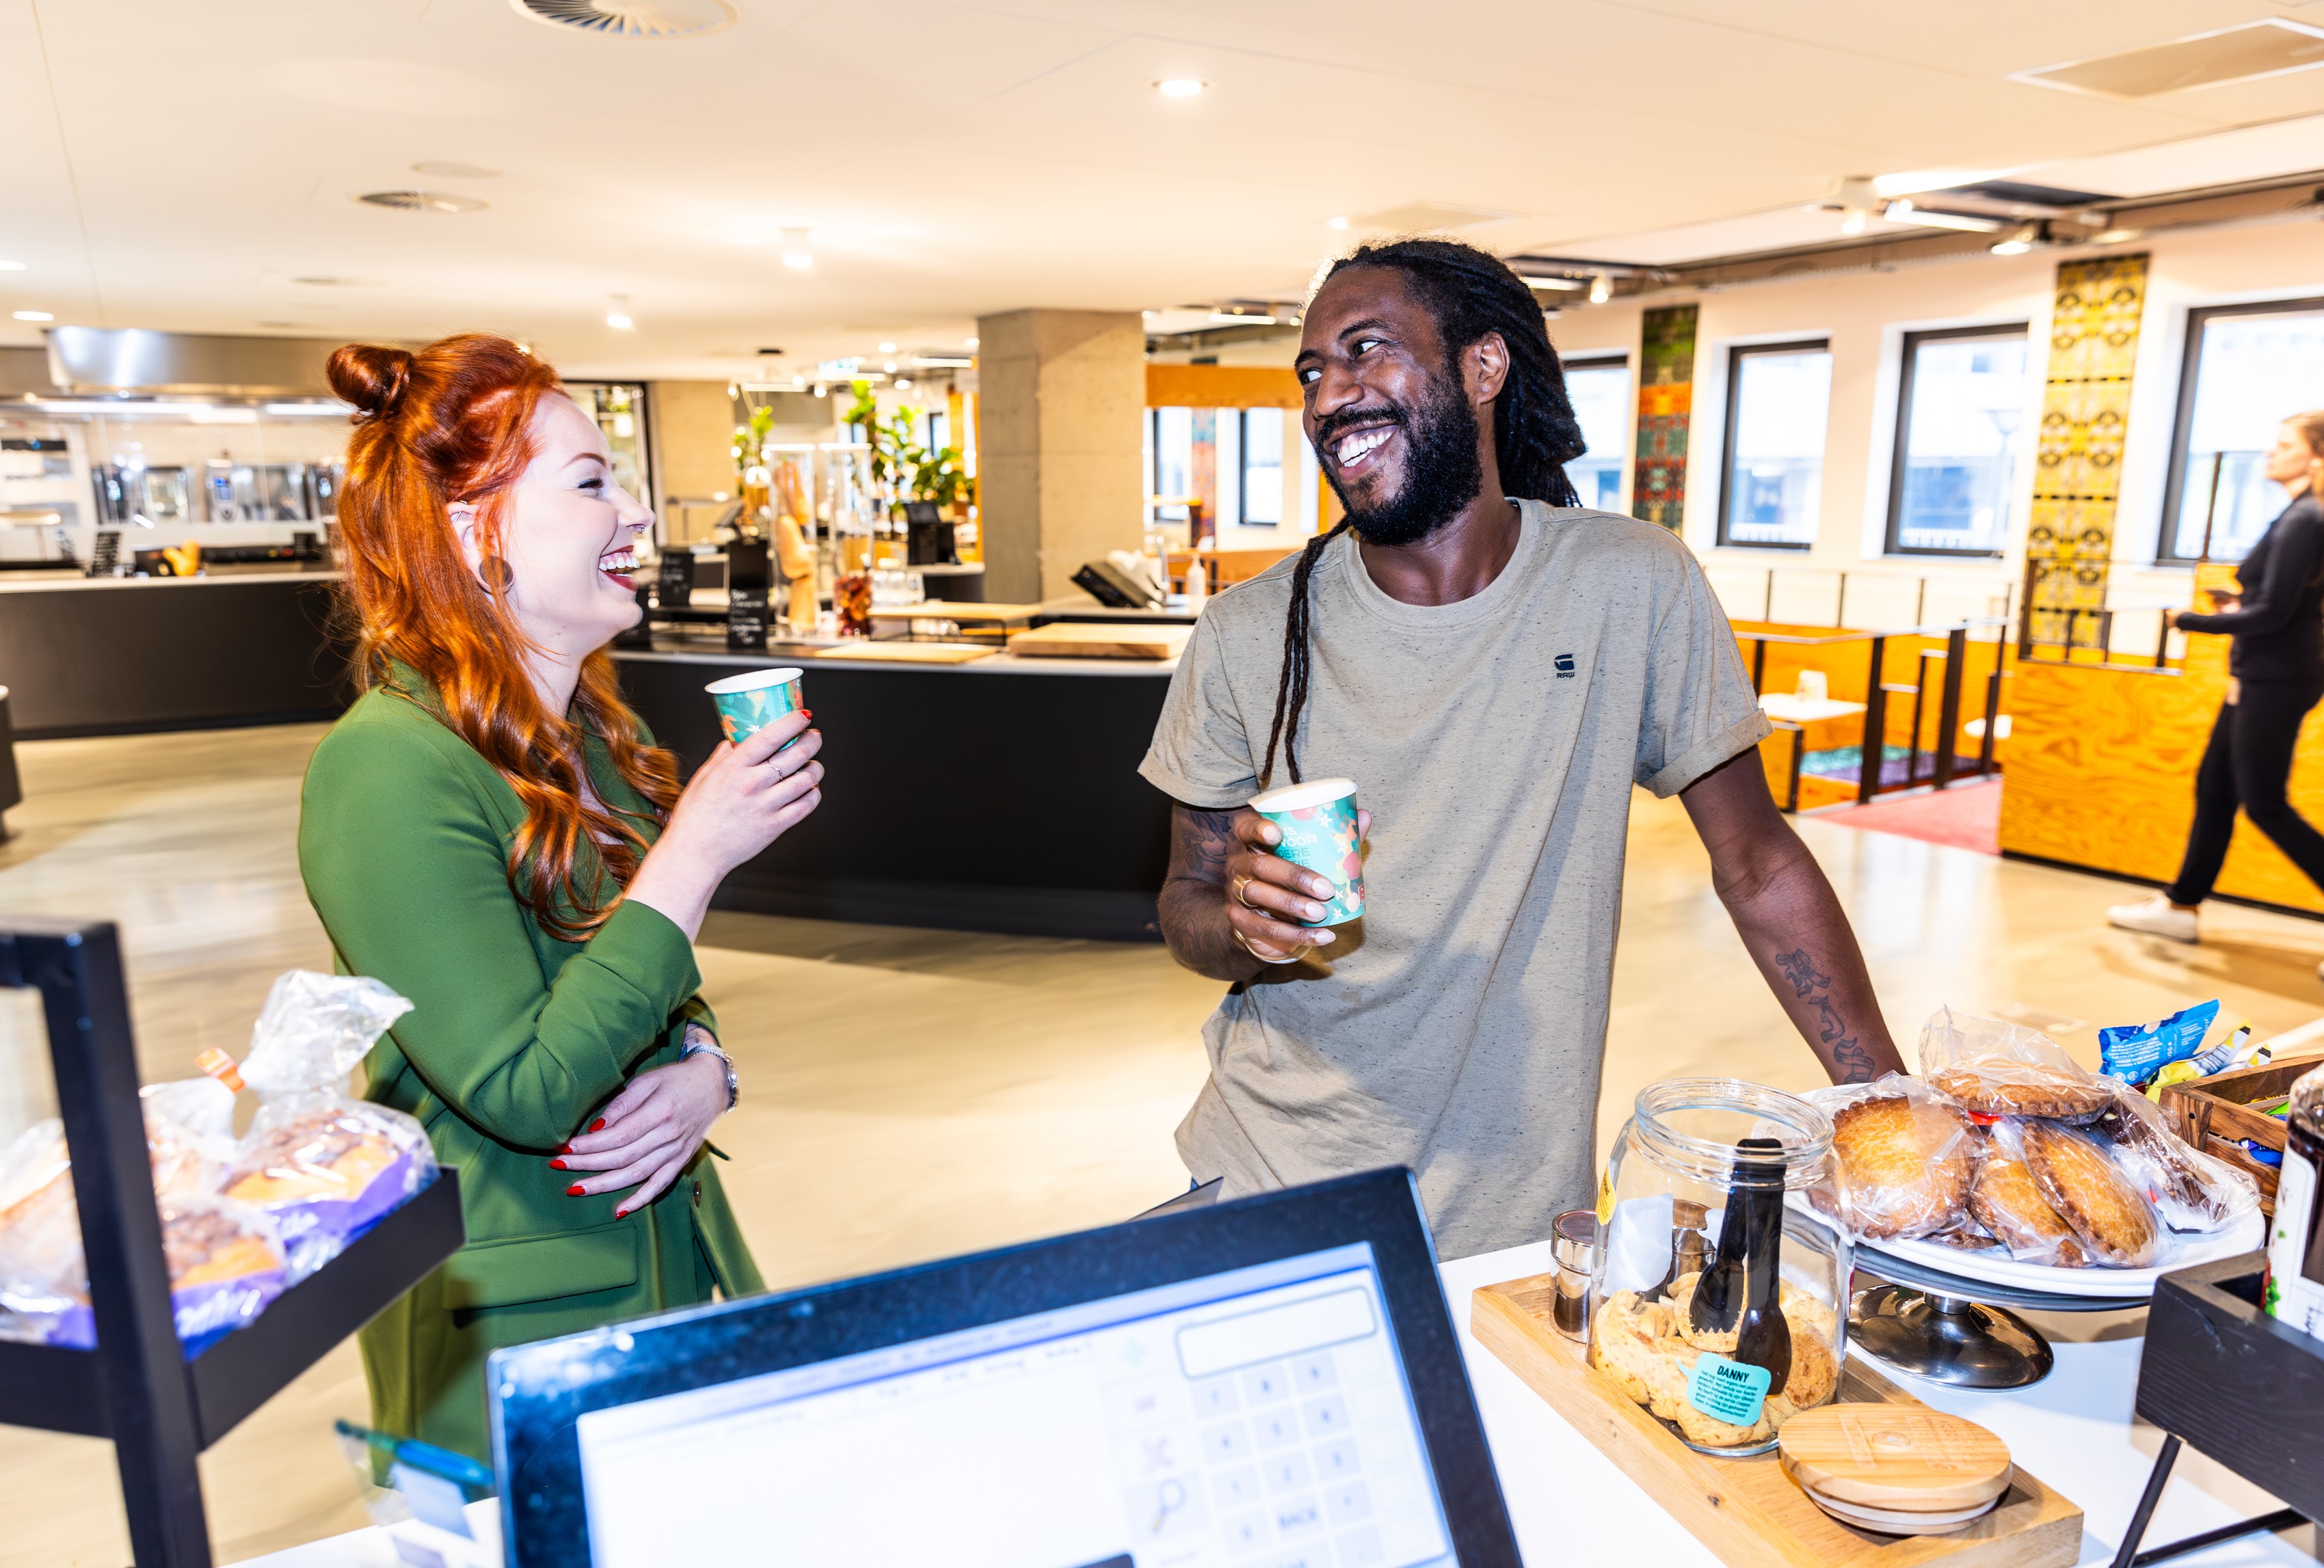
point(1564, 663)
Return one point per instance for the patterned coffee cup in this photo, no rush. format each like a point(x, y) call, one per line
point(749, 703)
point(1318, 821)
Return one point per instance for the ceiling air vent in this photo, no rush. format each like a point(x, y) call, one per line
point(2207, 60)
point(423, 201)
point(632, 18)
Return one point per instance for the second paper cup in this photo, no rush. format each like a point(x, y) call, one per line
point(1318, 823)
point(749, 703)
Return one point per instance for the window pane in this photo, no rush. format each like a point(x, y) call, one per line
point(1602, 404)
point(1262, 467)
point(1775, 474)
point(1173, 461)
point(1961, 447)
point(2254, 372)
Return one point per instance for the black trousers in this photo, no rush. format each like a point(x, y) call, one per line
point(2247, 764)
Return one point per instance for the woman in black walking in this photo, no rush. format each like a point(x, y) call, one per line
point(2275, 666)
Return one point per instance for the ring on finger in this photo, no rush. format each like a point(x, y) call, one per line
point(1245, 941)
point(1241, 887)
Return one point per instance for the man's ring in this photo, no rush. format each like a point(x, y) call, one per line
point(1241, 886)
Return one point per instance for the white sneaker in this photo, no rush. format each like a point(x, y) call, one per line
point(2156, 917)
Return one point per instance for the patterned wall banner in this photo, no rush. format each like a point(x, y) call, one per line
point(2078, 472)
point(1665, 403)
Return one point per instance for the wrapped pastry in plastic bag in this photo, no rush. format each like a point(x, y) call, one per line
point(1999, 1069)
point(327, 1165)
point(2190, 1189)
point(1906, 1154)
point(223, 1259)
point(2010, 1204)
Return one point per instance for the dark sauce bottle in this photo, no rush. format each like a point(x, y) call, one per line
point(1740, 1290)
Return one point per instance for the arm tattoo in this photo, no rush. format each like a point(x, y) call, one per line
point(1202, 840)
point(1854, 1062)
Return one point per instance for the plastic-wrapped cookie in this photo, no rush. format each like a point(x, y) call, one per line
point(1908, 1160)
point(2109, 1215)
point(2024, 1089)
point(2007, 1201)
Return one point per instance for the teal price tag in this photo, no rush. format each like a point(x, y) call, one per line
point(1726, 1390)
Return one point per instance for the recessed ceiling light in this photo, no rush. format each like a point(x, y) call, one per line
point(1181, 87)
point(429, 201)
point(12, 266)
point(968, 342)
point(437, 170)
point(888, 364)
point(617, 313)
point(644, 20)
point(35, 315)
point(1339, 223)
point(903, 383)
point(887, 348)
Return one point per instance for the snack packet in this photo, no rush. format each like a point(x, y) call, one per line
point(223, 1259)
point(1993, 1069)
point(2190, 1189)
point(2136, 1052)
point(326, 1166)
point(1906, 1157)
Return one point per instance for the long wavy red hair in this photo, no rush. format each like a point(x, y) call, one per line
point(451, 423)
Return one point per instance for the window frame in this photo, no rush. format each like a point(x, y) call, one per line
point(1611, 358)
point(2183, 426)
point(1900, 456)
point(1732, 417)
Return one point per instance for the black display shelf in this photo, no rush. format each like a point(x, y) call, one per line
point(2219, 1373)
point(137, 1387)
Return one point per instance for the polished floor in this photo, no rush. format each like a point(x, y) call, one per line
point(911, 1094)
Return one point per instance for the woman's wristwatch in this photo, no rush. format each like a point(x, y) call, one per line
point(700, 1041)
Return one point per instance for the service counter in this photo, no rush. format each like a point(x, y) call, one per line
point(1569, 1503)
point(999, 795)
point(2100, 773)
point(115, 655)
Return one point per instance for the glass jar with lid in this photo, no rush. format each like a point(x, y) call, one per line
point(1718, 1298)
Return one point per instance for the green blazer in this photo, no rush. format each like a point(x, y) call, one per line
point(514, 1040)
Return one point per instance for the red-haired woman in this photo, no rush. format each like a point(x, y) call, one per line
point(492, 832)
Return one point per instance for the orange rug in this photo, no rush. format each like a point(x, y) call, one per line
point(1968, 816)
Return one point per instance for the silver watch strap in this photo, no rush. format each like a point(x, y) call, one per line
point(704, 1045)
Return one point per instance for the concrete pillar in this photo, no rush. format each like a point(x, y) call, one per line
point(1062, 405)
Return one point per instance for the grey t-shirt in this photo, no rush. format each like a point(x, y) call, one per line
point(1459, 1027)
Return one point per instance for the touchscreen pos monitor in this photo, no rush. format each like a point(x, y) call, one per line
point(1270, 1382)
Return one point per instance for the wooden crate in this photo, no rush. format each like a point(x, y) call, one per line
point(2213, 1114)
point(1748, 1511)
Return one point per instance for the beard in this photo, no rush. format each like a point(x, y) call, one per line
point(1442, 473)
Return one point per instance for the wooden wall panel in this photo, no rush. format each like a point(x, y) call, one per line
point(2100, 764)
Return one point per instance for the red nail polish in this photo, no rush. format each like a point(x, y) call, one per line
point(573, 1191)
point(566, 1150)
point(621, 1214)
point(556, 1165)
point(598, 1125)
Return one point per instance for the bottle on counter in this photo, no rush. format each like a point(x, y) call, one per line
point(2295, 1238)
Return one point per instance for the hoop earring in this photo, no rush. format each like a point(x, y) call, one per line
point(495, 572)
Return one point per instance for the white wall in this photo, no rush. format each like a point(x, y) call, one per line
point(1864, 317)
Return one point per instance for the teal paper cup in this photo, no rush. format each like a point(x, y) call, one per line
point(749, 703)
point(1318, 820)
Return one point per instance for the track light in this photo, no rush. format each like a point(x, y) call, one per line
point(1601, 288)
point(617, 313)
point(2019, 241)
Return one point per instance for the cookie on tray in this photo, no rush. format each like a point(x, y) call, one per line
point(2024, 1089)
point(2007, 1201)
point(1908, 1163)
point(2111, 1217)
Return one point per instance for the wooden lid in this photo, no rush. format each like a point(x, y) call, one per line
point(1891, 1456)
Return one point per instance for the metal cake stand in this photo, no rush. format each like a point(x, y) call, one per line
point(1958, 1331)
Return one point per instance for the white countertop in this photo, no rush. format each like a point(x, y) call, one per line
point(1570, 1504)
point(41, 584)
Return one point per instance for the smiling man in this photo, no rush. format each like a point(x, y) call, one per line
point(1496, 669)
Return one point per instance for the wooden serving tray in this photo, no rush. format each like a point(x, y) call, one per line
point(897, 651)
point(1102, 641)
point(1746, 1511)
